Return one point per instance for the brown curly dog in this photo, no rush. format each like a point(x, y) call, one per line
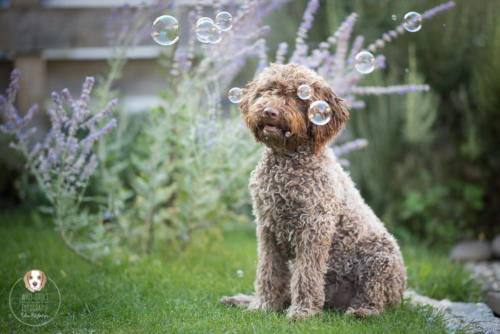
point(319, 243)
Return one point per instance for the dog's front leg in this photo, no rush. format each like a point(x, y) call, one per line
point(273, 275)
point(307, 283)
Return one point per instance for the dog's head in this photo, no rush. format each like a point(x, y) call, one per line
point(278, 117)
point(34, 280)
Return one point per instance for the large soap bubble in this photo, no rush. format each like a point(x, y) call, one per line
point(364, 62)
point(412, 21)
point(206, 31)
point(319, 112)
point(165, 30)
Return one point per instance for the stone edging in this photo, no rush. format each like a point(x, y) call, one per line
point(473, 317)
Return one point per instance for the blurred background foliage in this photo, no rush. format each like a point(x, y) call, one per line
point(429, 169)
point(432, 166)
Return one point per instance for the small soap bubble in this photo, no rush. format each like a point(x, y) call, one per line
point(412, 21)
point(304, 92)
point(365, 62)
point(394, 17)
point(165, 30)
point(319, 112)
point(235, 95)
point(239, 272)
point(224, 21)
point(288, 134)
point(206, 31)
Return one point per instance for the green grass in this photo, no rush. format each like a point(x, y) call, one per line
point(177, 291)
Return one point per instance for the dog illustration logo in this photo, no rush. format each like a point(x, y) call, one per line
point(34, 280)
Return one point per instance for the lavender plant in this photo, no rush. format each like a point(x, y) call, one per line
point(337, 67)
point(63, 162)
point(187, 151)
point(189, 156)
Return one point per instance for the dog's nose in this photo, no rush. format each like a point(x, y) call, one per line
point(270, 112)
point(35, 283)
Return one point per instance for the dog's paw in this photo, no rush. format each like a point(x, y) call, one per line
point(240, 300)
point(258, 304)
point(297, 313)
point(361, 312)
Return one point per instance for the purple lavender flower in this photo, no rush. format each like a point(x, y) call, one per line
point(345, 148)
point(398, 89)
point(436, 10)
point(338, 67)
point(14, 123)
point(281, 53)
point(307, 20)
point(62, 158)
point(400, 29)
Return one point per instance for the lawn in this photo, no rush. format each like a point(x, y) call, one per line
point(177, 291)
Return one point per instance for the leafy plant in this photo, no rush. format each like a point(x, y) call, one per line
point(63, 162)
point(186, 154)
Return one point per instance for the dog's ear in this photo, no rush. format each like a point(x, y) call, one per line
point(248, 96)
point(44, 279)
point(322, 134)
point(26, 279)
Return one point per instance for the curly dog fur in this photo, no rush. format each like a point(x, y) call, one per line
point(319, 244)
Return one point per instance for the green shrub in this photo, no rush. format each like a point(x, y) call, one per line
point(430, 166)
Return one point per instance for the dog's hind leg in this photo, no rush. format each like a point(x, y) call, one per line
point(380, 283)
point(239, 300)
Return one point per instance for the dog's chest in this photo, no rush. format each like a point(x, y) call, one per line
point(274, 191)
point(285, 226)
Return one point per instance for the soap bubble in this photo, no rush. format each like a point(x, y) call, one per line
point(240, 273)
point(412, 21)
point(235, 95)
point(215, 37)
point(165, 30)
point(224, 21)
point(365, 62)
point(319, 112)
point(206, 31)
point(288, 134)
point(203, 28)
point(304, 92)
point(394, 17)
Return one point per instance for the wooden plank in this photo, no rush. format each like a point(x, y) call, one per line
point(32, 82)
point(98, 53)
point(119, 3)
point(24, 3)
point(94, 3)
